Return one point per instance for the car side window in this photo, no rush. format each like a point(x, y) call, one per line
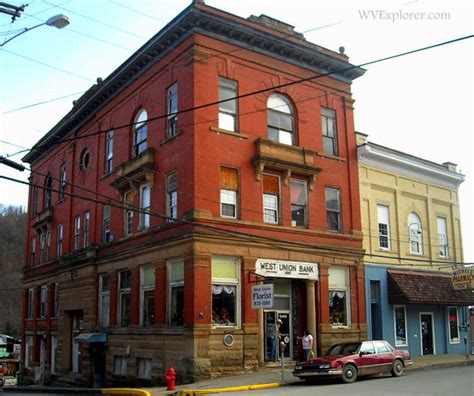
point(367, 347)
point(382, 347)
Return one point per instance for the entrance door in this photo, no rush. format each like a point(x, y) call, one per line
point(272, 347)
point(427, 334)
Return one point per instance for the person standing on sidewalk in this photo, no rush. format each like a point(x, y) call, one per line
point(307, 343)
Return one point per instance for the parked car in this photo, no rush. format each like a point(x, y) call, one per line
point(350, 360)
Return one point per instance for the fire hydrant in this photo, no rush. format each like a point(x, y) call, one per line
point(170, 378)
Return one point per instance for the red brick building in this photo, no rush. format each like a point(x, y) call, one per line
point(209, 162)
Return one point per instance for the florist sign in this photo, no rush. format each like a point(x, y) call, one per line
point(286, 269)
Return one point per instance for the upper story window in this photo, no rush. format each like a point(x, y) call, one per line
point(280, 120)
point(109, 151)
point(128, 214)
point(145, 192)
point(415, 234)
point(229, 192)
point(42, 247)
point(34, 199)
point(85, 160)
point(62, 181)
point(31, 303)
point(77, 232)
point(125, 285)
point(333, 209)
point(228, 110)
point(171, 196)
point(86, 229)
point(56, 300)
point(328, 123)
point(176, 292)
point(147, 295)
point(44, 302)
point(140, 133)
point(106, 233)
point(48, 184)
point(271, 199)
point(59, 240)
point(32, 251)
point(442, 237)
point(172, 110)
point(383, 218)
point(298, 203)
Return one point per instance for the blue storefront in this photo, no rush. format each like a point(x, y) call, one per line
point(417, 310)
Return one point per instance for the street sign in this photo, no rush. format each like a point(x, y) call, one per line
point(262, 296)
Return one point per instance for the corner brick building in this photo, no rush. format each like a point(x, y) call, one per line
point(209, 162)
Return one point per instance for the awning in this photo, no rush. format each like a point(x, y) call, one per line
point(91, 337)
point(413, 287)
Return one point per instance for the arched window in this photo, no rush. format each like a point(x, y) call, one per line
point(48, 184)
point(140, 133)
point(280, 120)
point(415, 234)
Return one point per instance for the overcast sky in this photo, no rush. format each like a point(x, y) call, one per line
point(421, 104)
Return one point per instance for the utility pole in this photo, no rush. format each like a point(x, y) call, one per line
point(12, 10)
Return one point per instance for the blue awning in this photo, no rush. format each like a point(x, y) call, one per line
point(91, 337)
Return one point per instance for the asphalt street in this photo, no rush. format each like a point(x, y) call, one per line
point(457, 381)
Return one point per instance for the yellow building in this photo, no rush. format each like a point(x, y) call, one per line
point(412, 237)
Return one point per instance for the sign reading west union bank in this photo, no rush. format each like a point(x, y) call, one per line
point(286, 269)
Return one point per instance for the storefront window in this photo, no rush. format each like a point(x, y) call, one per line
point(225, 292)
point(147, 295)
point(339, 296)
point(400, 326)
point(125, 295)
point(453, 325)
point(176, 293)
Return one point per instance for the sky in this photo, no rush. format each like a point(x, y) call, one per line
point(421, 104)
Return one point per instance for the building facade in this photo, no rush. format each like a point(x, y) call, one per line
point(412, 236)
point(220, 156)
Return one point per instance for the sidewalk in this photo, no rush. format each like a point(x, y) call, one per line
point(270, 377)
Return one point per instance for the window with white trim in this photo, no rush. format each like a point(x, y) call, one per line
point(109, 151)
point(104, 300)
point(106, 232)
point(42, 247)
point(333, 209)
point(32, 251)
point(442, 237)
point(125, 287)
point(145, 192)
point(453, 321)
point(415, 234)
point(44, 302)
point(31, 303)
point(140, 133)
point(59, 240)
point(147, 295)
point(383, 218)
point(225, 291)
point(299, 202)
point(176, 292)
point(229, 191)
point(172, 110)
point(400, 322)
point(77, 232)
point(280, 119)
point(339, 296)
point(144, 368)
point(62, 181)
point(48, 184)
point(86, 229)
point(228, 110)
point(128, 213)
point(172, 196)
point(28, 351)
point(48, 245)
point(328, 124)
point(55, 300)
point(271, 201)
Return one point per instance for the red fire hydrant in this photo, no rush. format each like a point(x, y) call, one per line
point(170, 378)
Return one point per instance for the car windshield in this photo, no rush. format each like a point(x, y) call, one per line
point(344, 349)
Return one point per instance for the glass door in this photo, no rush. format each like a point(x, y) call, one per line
point(277, 328)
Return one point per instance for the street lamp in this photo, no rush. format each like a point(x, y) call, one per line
point(58, 21)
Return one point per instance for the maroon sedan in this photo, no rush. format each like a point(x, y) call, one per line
point(350, 360)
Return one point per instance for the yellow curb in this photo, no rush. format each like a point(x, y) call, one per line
point(124, 391)
point(233, 389)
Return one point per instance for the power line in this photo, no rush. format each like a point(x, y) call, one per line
point(271, 88)
point(42, 102)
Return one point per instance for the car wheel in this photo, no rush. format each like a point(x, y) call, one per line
point(349, 374)
point(397, 368)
